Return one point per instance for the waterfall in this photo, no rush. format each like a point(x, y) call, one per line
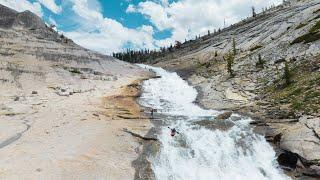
point(199, 153)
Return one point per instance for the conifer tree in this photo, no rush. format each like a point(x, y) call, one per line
point(234, 47)
point(287, 76)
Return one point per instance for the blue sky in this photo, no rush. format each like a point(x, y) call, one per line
point(109, 26)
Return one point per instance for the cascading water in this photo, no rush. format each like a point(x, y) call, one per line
point(197, 152)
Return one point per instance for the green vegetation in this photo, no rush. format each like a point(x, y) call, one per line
point(301, 26)
point(255, 47)
point(287, 75)
point(203, 65)
point(230, 61)
point(260, 63)
point(315, 28)
point(234, 47)
point(297, 105)
point(311, 36)
point(302, 94)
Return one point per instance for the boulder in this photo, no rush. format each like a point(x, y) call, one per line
point(302, 138)
point(224, 116)
point(17, 98)
point(216, 124)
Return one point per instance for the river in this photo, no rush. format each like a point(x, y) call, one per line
point(199, 153)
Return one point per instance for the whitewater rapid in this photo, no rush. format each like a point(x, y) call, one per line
point(198, 153)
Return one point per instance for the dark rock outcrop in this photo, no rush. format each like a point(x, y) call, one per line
point(29, 20)
point(12, 19)
point(288, 160)
point(7, 16)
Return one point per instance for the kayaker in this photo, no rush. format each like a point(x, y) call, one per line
point(173, 132)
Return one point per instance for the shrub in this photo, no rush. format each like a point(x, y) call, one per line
point(260, 63)
point(315, 28)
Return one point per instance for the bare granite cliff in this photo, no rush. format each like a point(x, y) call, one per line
point(274, 76)
point(63, 107)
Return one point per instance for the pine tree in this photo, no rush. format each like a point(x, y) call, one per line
point(287, 76)
point(260, 63)
point(230, 60)
point(234, 47)
point(253, 12)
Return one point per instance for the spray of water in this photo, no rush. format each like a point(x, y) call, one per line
point(198, 153)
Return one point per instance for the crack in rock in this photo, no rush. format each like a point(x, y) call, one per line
point(314, 131)
point(15, 137)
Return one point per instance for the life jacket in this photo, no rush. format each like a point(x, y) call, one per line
point(172, 133)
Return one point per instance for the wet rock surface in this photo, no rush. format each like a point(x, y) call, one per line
point(142, 165)
point(224, 116)
point(216, 124)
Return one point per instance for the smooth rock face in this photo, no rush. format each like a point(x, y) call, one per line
point(303, 138)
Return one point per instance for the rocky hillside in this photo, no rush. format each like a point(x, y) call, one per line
point(63, 107)
point(274, 76)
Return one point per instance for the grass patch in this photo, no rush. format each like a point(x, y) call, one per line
point(307, 38)
point(312, 95)
point(296, 92)
point(315, 28)
point(312, 36)
point(297, 105)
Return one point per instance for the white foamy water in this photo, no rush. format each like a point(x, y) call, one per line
point(198, 153)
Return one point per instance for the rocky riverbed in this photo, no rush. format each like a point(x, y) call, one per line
point(288, 115)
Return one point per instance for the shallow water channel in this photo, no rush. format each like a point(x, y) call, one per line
point(206, 148)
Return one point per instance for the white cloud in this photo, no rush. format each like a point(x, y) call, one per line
point(188, 18)
point(106, 35)
point(23, 5)
point(51, 5)
point(130, 9)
